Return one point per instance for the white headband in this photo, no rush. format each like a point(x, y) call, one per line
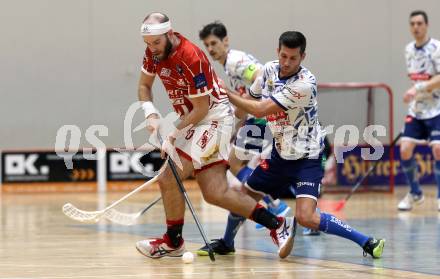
point(155, 28)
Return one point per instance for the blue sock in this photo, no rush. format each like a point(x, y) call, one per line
point(437, 176)
point(332, 225)
point(234, 223)
point(409, 168)
point(244, 174)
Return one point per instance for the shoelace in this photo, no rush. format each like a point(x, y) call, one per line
point(158, 241)
point(214, 243)
point(277, 235)
point(370, 243)
point(284, 232)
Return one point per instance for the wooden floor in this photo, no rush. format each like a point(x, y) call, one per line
point(38, 241)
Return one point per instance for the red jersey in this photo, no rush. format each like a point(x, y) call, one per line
point(187, 73)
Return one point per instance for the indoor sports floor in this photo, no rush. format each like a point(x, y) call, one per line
point(38, 241)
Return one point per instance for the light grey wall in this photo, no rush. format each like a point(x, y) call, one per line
point(77, 62)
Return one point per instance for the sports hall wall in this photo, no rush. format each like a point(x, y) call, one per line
point(78, 62)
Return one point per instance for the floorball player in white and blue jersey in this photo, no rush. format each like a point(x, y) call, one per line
point(423, 120)
point(288, 99)
point(241, 68)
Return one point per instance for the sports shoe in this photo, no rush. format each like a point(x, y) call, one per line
point(281, 211)
point(307, 231)
point(284, 236)
point(160, 247)
point(407, 202)
point(374, 247)
point(218, 246)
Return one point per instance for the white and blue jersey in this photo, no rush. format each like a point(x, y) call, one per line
point(240, 68)
point(296, 131)
point(423, 63)
point(296, 159)
point(423, 120)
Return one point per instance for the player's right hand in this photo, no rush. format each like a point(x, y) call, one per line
point(153, 123)
point(409, 95)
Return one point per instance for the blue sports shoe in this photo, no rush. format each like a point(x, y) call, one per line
point(307, 231)
point(281, 210)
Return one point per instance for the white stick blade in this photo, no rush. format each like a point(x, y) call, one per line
point(83, 216)
point(125, 219)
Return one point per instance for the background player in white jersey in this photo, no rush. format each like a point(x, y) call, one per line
point(241, 69)
point(423, 119)
point(192, 87)
point(288, 94)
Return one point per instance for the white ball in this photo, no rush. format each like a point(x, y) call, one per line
point(188, 257)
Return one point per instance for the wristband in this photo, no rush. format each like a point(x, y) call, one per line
point(149, 109)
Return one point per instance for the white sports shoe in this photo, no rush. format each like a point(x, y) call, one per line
point(407, 202)
point(284, 236)
point(280, 210)
point(159, 247)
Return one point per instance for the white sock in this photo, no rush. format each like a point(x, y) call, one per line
point(232, 180)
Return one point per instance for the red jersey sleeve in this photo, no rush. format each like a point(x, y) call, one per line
point(200, 77)
point(148, 66)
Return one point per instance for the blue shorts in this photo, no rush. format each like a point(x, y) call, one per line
point(422, 129)
point(251, 136)
point(275, 175)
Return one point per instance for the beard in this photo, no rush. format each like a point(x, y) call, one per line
point(167, 50)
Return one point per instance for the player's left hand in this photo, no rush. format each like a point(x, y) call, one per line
point(167, 146)
point(223, 86)
point(230, 92)
point(409, 95)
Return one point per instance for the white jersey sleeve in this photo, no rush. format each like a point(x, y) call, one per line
point(241, 68)
point(436, 60)
point(423, 63)
point(293, 95)
point(256, 88)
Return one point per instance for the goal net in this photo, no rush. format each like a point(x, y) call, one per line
point(358, 118)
